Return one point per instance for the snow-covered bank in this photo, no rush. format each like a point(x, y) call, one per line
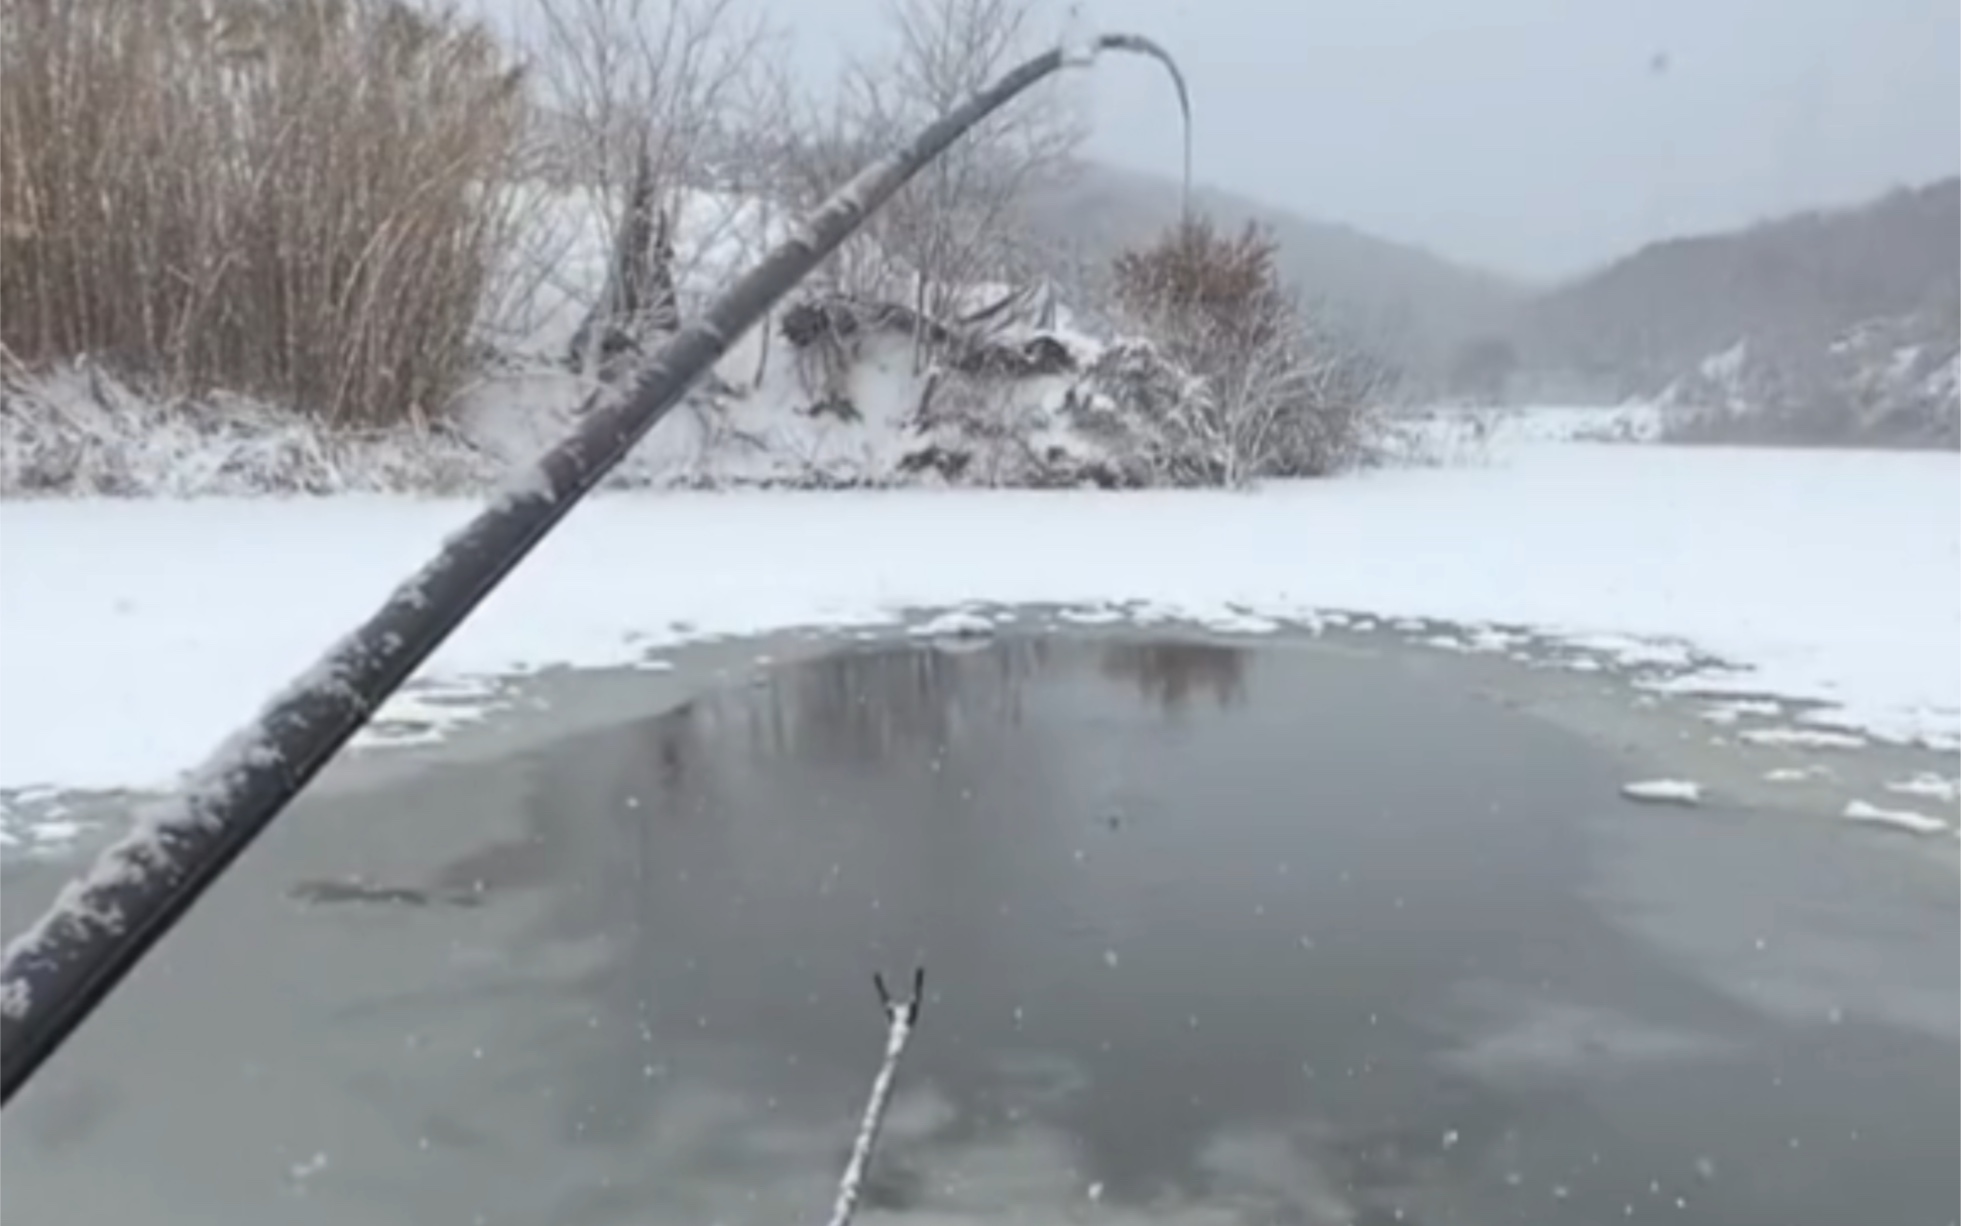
point(1069, 411)
point(134, 635)
point(1634, 422)
point(997, 386)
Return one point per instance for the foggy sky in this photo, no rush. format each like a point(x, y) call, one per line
point(1533, 137)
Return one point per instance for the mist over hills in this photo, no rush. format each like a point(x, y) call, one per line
point(1801, 279)
point(1826, 324)
point(1412, 304)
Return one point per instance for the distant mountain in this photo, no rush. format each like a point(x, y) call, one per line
point(1827, 324)
point(1408, 303)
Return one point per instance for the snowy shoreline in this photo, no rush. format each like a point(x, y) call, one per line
point(137, 634)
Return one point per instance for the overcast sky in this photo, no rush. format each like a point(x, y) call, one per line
point(1531, 136)
point(1534, 137)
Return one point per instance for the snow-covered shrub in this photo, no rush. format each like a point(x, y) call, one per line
point(1272, 396)
point(278, 200)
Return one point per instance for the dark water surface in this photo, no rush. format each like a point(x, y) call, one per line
point(1212, 936)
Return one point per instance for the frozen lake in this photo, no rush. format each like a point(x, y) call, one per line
point(1214, 934)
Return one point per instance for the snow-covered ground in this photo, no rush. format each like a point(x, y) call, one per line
point(135, 634)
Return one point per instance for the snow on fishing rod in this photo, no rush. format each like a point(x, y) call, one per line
point(57, 972)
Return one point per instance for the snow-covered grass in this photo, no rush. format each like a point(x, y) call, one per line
point(78, 431)
point(135, 635)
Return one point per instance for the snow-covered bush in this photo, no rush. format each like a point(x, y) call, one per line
point(1271, 396)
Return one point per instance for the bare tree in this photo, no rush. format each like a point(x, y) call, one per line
point(655, 80)
point(644, 103)
point(956, 225)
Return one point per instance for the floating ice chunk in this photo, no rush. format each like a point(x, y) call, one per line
point(1810, 738)
point(954, 623)
point(1797, 774)
point(1664, 791)
point(1928, 784)
point(1902, 819)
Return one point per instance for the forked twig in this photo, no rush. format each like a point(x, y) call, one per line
point(900, 1016)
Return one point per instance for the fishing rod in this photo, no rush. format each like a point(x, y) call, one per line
point(58, 971)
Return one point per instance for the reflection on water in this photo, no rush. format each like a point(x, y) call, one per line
point(1251, 964)
point(863, 707)
point(1212, 937)
point(1169, 674)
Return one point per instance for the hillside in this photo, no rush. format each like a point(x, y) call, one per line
point(1415, 307)
point(1829, 324)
